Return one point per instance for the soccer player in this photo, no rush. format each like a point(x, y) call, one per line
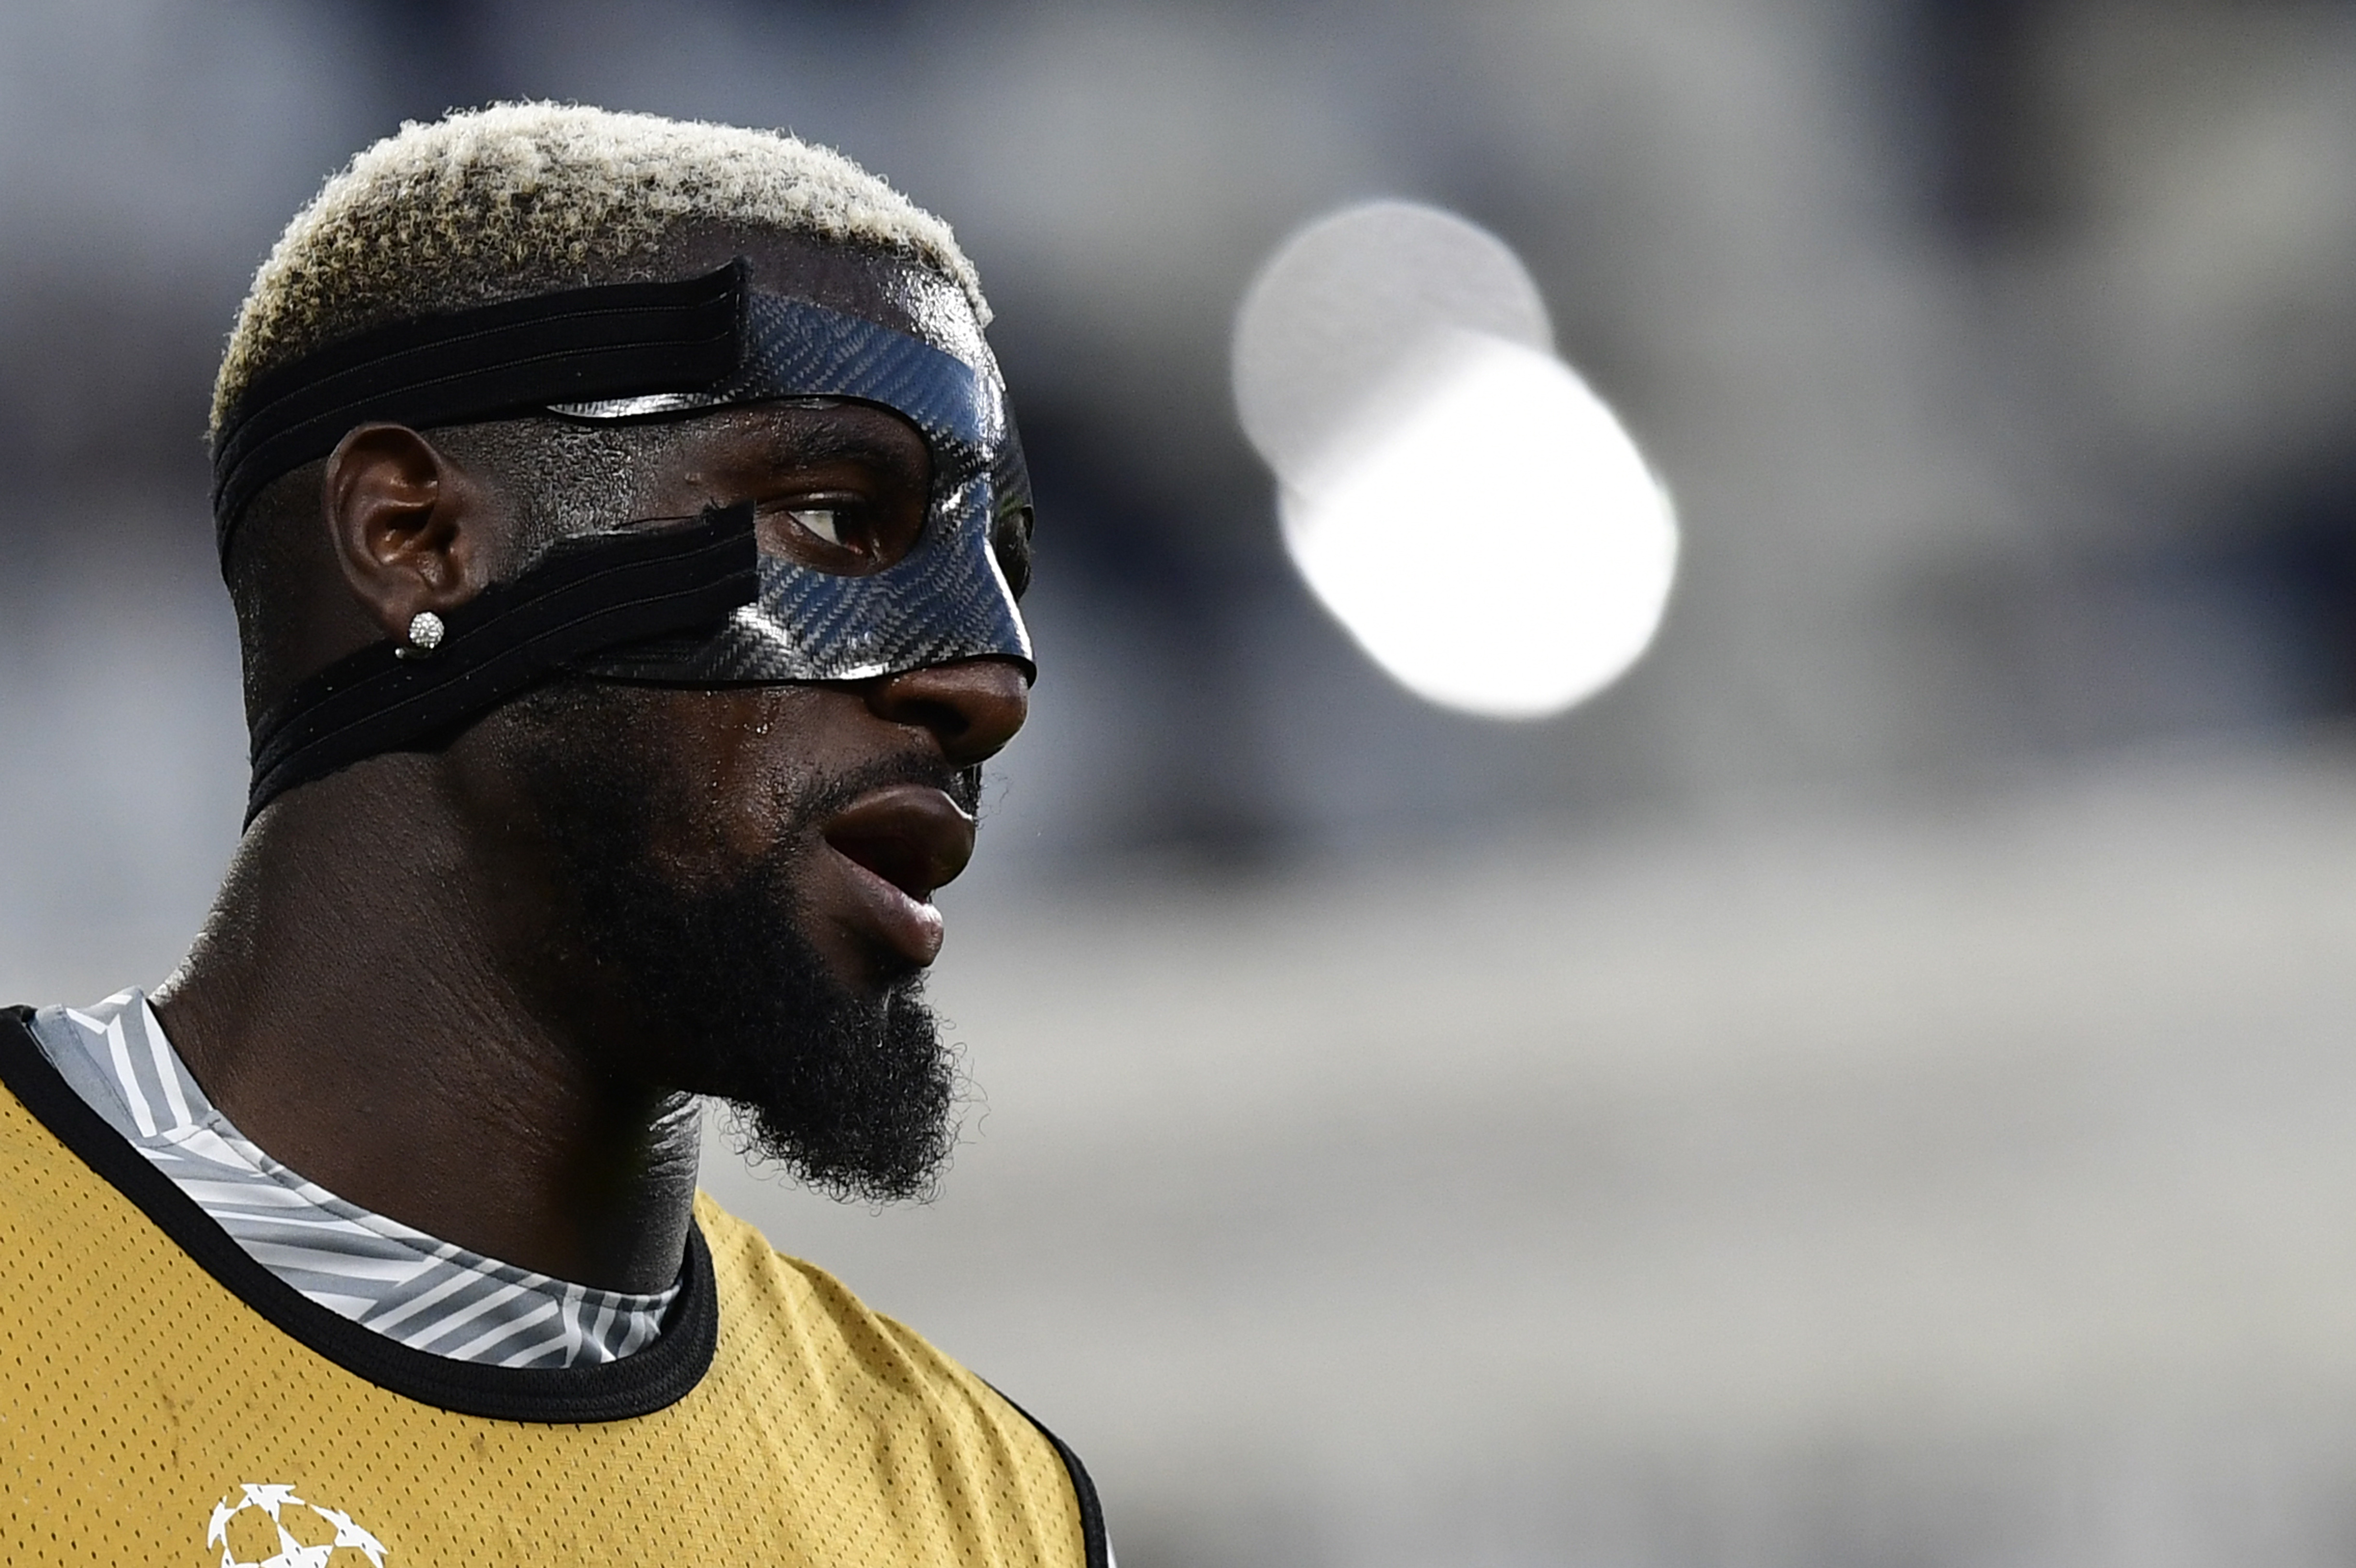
point(624, 526)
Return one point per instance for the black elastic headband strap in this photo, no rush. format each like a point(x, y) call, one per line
point(587, 596)
point(615, 340)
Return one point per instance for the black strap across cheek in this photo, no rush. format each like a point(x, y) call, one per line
point(589, 595)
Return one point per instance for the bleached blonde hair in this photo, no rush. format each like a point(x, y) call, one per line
point(524, 199)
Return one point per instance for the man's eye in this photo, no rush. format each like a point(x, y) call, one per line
point(842, 534)
point(821, 522)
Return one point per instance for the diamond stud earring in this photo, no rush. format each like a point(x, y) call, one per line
point(425, 634)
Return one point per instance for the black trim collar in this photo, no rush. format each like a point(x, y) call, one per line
point(639, 1384)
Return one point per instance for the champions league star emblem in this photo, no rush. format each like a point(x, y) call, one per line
point(270, 1526)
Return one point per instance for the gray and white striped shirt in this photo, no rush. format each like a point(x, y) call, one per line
point(428, 1295)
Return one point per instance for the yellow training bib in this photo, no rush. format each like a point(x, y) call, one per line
point(166, 1400)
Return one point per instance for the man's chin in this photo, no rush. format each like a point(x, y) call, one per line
point(758, 1142)
point(859, 1103)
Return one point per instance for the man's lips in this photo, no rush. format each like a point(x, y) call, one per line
point(901, 841)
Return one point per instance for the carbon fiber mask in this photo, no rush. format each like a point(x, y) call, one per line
point(947, 598)
point(696, 605)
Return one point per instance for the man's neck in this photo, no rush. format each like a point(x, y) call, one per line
point(348, 1008)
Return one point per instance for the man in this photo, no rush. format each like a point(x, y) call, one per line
point(624, 529)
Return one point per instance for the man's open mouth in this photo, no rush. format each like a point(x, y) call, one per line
point(903, 842)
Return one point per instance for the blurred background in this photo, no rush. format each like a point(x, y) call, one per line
point(1872, 1088)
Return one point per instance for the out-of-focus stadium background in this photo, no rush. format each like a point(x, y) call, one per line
point(1878, 1087)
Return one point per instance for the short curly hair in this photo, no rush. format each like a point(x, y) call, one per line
point(523, 198)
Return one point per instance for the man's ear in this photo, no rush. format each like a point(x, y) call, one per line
point(410, 528)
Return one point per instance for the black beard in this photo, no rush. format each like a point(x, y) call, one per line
point(716, 991)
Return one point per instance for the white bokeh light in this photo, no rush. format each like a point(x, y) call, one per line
point(1494, 541)
point(1460, 500)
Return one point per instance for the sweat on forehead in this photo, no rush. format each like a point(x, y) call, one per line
point(525, 198)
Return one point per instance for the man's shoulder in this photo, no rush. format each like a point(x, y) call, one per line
point(42, 1175)
point(766, 1296)
point(795, 1332)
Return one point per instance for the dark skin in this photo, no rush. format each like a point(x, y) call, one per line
point(356, 1003)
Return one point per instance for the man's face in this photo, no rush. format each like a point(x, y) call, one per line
point(733, 887)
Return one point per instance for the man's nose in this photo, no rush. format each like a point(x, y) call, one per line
point(973, 707)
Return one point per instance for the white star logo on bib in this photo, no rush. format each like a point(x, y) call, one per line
point(269, 1526)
